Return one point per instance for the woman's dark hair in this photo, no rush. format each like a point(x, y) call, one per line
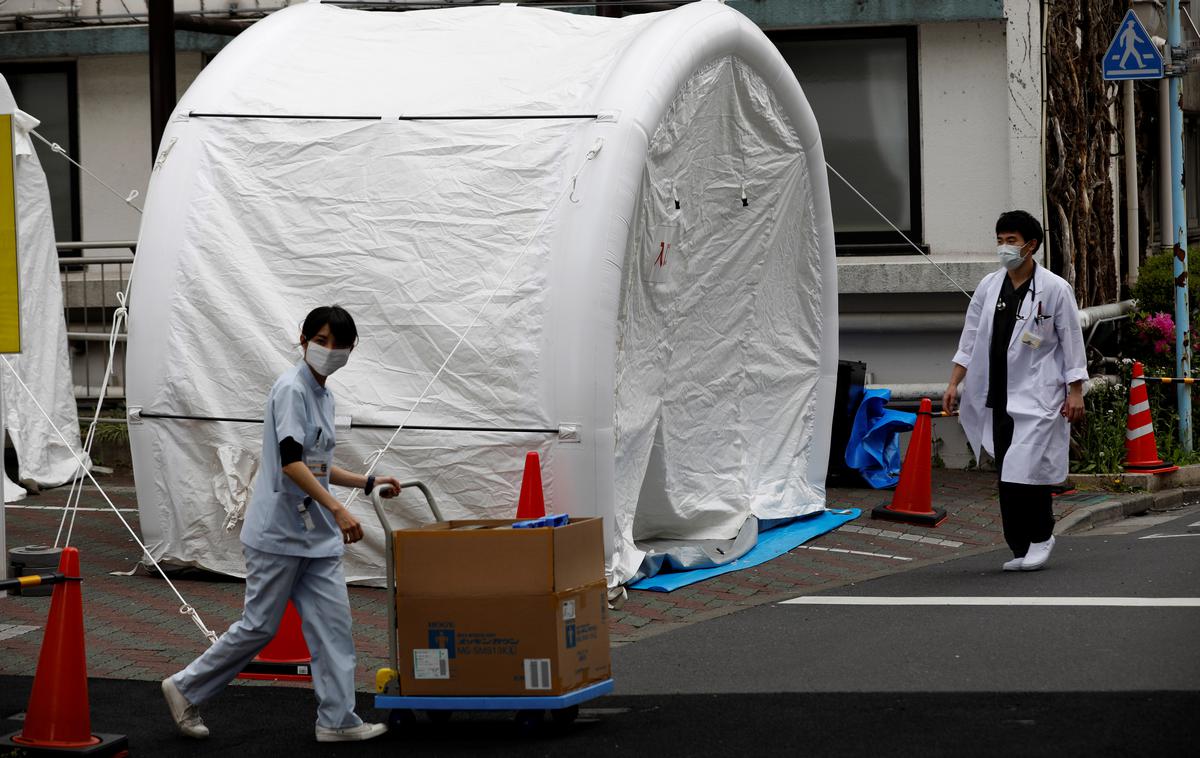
point(1023, 224)
point(341, 325)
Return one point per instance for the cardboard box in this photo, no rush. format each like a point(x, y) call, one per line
point(508, 645)
point(480, 558)
point(482, 609)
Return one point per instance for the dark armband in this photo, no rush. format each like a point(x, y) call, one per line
point(290, 451)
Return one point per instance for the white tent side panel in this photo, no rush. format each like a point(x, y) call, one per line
point(43, 364)
point(413, 225)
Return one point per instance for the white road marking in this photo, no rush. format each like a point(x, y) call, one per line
point(872, 532)
point(1189, 526)
point(59, 508)
point(853, 552)
point(1166, 536)
point(8, 631)
point(1132, 602)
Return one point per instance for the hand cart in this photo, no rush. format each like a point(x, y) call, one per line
point(530, 709)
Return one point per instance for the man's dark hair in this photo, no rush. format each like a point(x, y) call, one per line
point(1023, 224)
point(341, 325)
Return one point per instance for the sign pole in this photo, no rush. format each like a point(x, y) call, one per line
point(1132, 55)
point(1183, 346)
point(1133, 252)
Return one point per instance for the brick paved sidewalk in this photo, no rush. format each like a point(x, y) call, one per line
point(134, 629)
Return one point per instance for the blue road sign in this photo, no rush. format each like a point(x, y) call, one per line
point(1132, 54)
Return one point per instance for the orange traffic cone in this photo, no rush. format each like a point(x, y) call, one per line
point(912, 500)
point(531, 505)
point(286, 657)
point(58, 720)
point(1141, 449)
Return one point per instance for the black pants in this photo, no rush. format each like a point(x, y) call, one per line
point(1026, 510)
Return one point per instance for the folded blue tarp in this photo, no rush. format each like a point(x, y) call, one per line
point(773, 541)
point(873, 449)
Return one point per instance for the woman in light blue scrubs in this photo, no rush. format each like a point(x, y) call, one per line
point(293, 539)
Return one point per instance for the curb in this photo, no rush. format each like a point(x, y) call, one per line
point(1091, 516)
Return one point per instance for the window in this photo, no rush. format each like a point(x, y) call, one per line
point(47, 92)
point(862, 86)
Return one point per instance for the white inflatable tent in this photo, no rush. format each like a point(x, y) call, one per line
point(653, 187)
point(43, 364)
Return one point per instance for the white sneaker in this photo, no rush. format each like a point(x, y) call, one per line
point(1039, 553)
point(186, 715)
point(1014, 564)
point(363, 731)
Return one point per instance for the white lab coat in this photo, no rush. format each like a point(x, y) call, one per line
point(1037, 376)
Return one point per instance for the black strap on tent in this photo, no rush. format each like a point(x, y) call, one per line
point(502, 117)
point(505, 430)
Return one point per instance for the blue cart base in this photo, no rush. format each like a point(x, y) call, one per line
point(488, 703)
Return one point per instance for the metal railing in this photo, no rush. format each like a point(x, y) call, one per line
point(90, 284)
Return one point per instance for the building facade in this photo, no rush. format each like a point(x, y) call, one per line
point(930, 112)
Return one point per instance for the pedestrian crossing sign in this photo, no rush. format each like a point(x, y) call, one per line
point(1132, 53)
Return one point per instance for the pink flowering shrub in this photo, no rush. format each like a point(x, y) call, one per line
point(1157, 332)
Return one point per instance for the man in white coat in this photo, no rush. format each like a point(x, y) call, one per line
point(1021, 355)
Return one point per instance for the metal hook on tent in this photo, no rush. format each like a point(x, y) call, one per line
point(599, 144)
point(189, 611)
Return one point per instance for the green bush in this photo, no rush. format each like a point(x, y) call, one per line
point(1155, 288)
point(1098, 442)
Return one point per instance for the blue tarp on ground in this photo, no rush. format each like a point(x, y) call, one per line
point(873, 449)
point(772, 543)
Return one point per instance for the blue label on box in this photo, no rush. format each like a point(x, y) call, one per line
point(441, 637)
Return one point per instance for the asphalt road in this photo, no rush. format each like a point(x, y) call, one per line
point(963, 648)
point(882, 679)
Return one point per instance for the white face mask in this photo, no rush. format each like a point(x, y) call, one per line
point(1010, 256)
point(324, 360)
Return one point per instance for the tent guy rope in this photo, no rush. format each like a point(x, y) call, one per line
point(73, 498)
point(907, 239)
point(185, 608)
point(119, 318)
point(57, 148)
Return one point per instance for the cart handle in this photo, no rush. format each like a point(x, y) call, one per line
point(377, 501)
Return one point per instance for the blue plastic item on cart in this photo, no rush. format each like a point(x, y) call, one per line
point(557, 519)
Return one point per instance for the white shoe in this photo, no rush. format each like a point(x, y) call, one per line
point(186, 715)
point(1014, 564)
point(363, 731)
point(1039, 553)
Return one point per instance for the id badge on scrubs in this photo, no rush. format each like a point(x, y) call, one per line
point(317, 464)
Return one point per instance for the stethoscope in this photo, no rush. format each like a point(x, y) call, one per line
point(1002, 306)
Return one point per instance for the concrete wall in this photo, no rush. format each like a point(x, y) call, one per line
point(114, 137)
point(965, 148)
